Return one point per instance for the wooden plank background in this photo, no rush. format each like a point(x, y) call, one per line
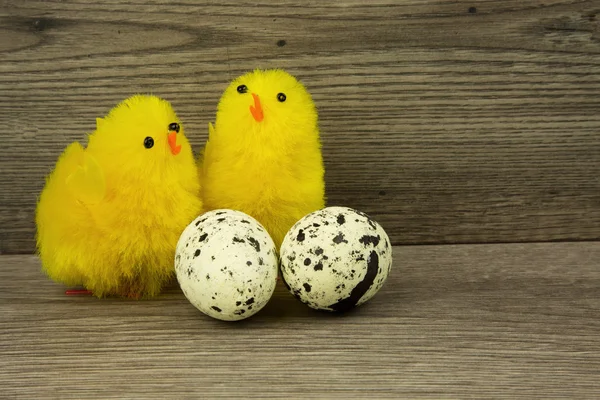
point(449, 122)
point(498, 321)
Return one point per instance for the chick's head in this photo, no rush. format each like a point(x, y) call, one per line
point(267, 103)
point(142, 135)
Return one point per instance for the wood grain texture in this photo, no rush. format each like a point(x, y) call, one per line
point(446, 123)
point(467, 321)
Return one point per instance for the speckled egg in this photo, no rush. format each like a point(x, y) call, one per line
point(226, 264)
point(335, 259)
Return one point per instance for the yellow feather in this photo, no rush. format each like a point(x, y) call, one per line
point(110, 215)
point(269, 168)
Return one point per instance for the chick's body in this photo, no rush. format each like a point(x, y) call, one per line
point(110, 215)
point(263, 156)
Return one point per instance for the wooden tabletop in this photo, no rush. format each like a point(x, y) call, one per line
point(466, 321)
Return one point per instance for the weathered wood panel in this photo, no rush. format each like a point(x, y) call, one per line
point(469, 321)
point(447, 121)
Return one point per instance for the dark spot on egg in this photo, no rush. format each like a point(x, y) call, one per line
point(212, 258)
point(201, 220)
point(239, 312)
point(316, 225)
point(369, 239)
point(221, 219)
point(217, 309)
point(190, 272)
point(196, 253)
point(248, 263)
point(307, 287)
point(301, 236)
point(203, 237)
point(207, 276)
point(245, 221)
point(254, 243)
point(340, 219)
point(250, 301)
point(220, 213)
point(365, 216)
point(260, 261)
point(307, 261)
point(339, 238)
point(318, 251)
point(238, 240)
point(362, 214)
point(362, 287)
point(238, 303)
point(319, 267)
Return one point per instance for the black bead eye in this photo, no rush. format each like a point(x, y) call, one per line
point(242, 89)
point(174, 126)
point(281, 97)
point(148, 142)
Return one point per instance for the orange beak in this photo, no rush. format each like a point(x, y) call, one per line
point(256, 110)
point(175, 148)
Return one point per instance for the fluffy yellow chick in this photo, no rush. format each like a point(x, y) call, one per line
point(110, 215)
point(263, 155)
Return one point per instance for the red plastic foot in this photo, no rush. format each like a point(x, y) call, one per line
point(78, 292)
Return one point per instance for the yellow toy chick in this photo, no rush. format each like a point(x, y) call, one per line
point(263, 155)
point(110, 215)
